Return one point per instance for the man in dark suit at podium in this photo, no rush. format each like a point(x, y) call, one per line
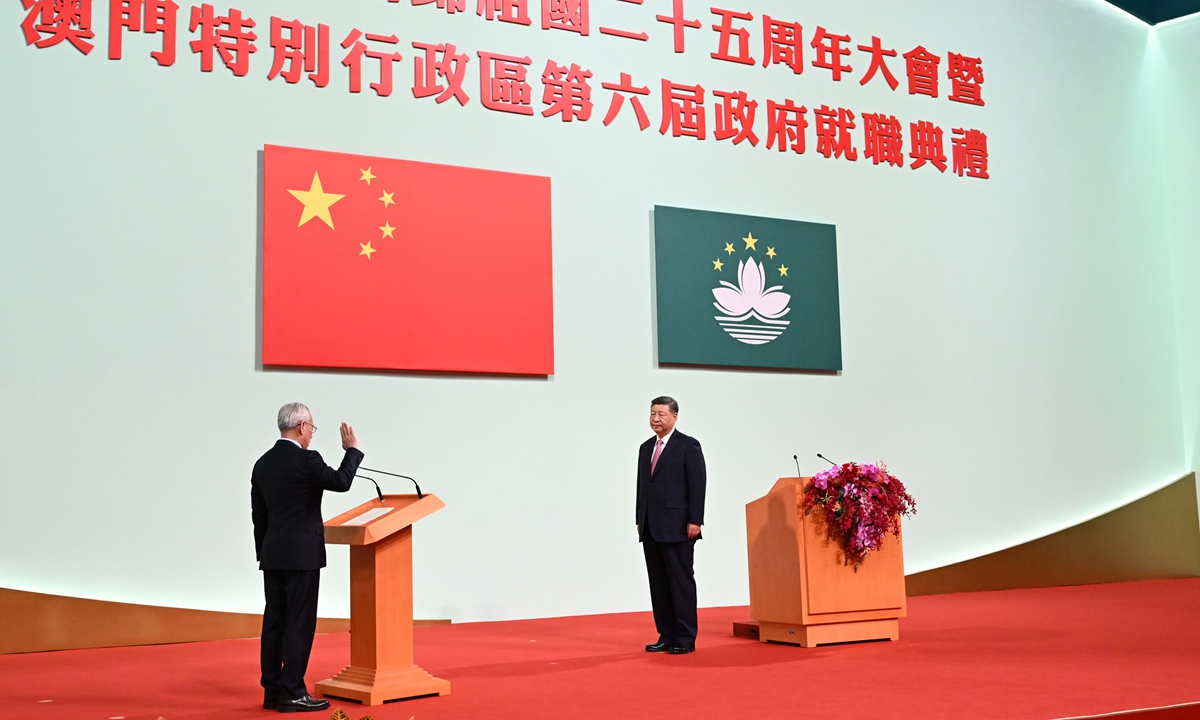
point(289, 542)
point(670, 510)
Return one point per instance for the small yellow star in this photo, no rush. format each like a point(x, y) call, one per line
point(367, 249)
point(729, 248)
point(316, 202)
point(387, 198)
point(771, 253)
point(717, 264)
point(366, 175)
point(750, 240)
point(782, 270)
point(388, 230)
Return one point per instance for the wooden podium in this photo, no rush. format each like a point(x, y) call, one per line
point(801, 590)
point(381, 602)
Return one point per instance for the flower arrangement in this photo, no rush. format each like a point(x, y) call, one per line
point(862, 503)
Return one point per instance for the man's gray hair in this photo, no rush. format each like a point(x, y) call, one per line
point(292, 414)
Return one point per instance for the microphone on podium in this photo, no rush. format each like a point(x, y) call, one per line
point(377, 490)
point(827, 460)
point(798, 473)
point(385, 472)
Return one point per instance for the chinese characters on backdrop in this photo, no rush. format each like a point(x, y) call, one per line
point(439, 71)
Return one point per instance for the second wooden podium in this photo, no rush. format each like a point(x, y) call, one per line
point(381, 668)
point(801, 589)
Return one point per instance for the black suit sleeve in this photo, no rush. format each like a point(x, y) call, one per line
point(637, 506)
point(336, 480)
point(258, 513)
point(697, 479)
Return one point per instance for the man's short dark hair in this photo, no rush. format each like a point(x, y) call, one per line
point(668, 401)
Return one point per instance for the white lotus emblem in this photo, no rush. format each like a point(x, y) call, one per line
point(751, 309)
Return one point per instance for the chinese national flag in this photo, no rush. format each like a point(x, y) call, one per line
point(375, 263)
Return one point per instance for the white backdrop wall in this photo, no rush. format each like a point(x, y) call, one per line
point(1010, 344)
point(1177, 52)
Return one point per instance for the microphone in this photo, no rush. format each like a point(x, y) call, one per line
point(377, 490)
point(827, 460)
point(384, 472)
point(798, 473)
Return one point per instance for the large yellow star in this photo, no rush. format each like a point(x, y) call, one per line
point(771, 253)
point(782, 270)
point(367, 249)
point(750, 240)
point(387, 198)
point(366, 175)
point(316, 202)
point(717, 264)
point(388, 230)
point(729, 248)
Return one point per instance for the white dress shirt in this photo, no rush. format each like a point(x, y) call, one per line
point(664, 440)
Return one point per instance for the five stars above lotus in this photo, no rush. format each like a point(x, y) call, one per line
point(751, 244)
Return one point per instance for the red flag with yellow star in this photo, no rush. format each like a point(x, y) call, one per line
point(384, 264)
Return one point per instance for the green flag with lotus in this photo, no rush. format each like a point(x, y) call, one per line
point(746, 292)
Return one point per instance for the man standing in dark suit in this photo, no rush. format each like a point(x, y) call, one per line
point(670, 511)
point(289, 542)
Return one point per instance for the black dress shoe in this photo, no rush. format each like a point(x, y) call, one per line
point(304, 704)
point(678, 649)
point(270, 704)
point(660, 646)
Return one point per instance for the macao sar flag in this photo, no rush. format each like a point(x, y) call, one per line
point(745, 291)
point(382, 264)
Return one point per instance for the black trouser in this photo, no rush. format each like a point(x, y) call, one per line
point(289, 623)
point(672, 588)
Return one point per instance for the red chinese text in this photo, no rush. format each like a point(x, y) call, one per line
point(734, 117)
point(359, 50)
point(567, 91)
point(830, 52)
point(833, 128)
point(618, 100)
point(438, 63)
point(786, 124)
point(966, 77)
point(50, 22)
point(682, 110)
point(884, 139)
point(782, 44)
point(570, 15)
point(927, 145)
point(970, 153)
point(727, 32)
point(502, 85)
point(299, 49)
point(510, 11)
point(229, 35)
point(922, 67)
point(149, 16)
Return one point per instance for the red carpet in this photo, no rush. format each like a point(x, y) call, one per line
point(1047, 653)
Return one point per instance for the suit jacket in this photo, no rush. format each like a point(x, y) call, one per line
point(285, 503)
point(674, 495)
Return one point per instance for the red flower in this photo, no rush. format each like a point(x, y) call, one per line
point(862, 504)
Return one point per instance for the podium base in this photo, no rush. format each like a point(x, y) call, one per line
point(375, 687)
point(814, 635)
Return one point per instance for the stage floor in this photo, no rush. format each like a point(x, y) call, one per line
point(1046, 653)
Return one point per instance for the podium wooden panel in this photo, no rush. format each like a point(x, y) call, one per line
point(801, 590)
point(381, 604)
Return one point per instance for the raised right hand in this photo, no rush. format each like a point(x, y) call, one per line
point(348, 438)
